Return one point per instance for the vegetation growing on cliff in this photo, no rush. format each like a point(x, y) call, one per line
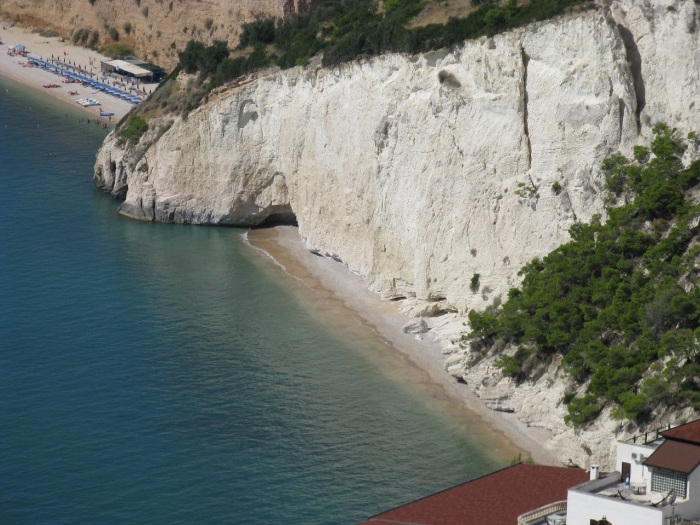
point(343, 30)
point(621, 301)
point(134, 129)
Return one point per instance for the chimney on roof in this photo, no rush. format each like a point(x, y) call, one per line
point(595, 472)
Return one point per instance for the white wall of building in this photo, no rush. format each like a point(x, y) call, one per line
point(638, 471)
point(583, 507)
point(690, 509)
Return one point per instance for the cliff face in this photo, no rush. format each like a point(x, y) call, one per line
point(155, 24)
point(419, 172)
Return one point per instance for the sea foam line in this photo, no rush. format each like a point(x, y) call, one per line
point(270, 256)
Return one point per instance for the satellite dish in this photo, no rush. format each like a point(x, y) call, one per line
point(668, 499)
point(671, 498)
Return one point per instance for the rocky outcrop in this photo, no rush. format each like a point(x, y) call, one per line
point(419, 172)
point(415, 326)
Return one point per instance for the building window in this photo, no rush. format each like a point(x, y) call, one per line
point(663, 481)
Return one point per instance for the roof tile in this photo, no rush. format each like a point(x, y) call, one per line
point(689, 432)
point(675, 455)
point(496, 498)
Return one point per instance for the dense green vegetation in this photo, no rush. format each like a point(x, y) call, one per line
point(134, 129)
point(620, 302)
point(343, 30)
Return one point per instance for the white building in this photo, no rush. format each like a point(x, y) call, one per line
point(657, 482)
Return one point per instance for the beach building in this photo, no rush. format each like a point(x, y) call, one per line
point(133, 68)
point(656, 482)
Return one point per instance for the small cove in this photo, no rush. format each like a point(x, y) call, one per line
point(156, 373)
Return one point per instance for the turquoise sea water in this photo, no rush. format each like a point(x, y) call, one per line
point(155, 373)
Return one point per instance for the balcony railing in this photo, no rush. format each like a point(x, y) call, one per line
point(650, 436)
point(537, 514)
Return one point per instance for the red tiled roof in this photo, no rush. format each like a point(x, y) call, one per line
point(675, 455)
point(689, 432)
point(496, 498)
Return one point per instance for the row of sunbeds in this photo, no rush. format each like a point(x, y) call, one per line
point(57, 70)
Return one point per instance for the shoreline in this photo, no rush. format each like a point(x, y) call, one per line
point(339, 289)
point(38, 46)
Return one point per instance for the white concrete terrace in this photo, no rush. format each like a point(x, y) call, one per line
point(608, 498)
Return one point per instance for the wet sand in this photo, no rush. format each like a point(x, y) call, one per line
point(342, 301)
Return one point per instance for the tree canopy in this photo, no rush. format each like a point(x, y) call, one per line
point(344, 30)
point(620, 302)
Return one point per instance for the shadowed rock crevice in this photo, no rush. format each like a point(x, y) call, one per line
point(622, 119)
point(634, 59)
point(526, 130)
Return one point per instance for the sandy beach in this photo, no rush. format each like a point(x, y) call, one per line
point(345, 299)
point(43, 47)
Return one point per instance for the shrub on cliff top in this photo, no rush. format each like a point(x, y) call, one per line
point(257, 32)
point(197, 57)
point(80, 36)
point(344, 30)
point(135, 127)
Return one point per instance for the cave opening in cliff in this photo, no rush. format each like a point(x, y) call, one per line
point(284, 216)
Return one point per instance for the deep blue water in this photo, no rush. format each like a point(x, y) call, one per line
point(155, 374)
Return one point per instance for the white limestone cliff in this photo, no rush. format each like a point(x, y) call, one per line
point(420, 171)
